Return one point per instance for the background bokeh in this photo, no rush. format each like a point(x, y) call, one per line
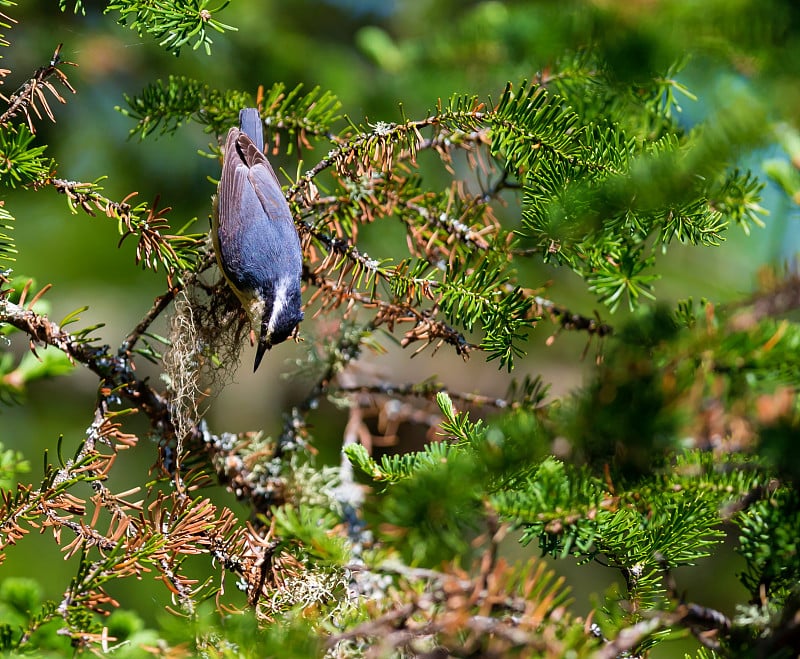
point(373, 56)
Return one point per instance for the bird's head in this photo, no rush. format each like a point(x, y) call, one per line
point(280, 316)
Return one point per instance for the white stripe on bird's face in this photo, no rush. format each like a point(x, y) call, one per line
point(280, 303)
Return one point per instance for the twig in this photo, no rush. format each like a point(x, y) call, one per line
point(429, 390)
point(116, 372)
point(25, 97)
point(159, 305)
point(630, 638)
point(426, 328)
point(343, 153)
point(573, 321)
point(502, 183)
point(704, 623)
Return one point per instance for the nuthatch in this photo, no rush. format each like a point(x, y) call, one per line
point(254, 237)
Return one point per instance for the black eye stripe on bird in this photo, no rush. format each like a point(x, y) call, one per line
point(254, 237)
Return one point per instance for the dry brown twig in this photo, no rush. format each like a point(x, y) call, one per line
point(32, 91)
point(493, 611)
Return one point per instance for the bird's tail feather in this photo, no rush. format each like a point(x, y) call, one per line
point(250, 124)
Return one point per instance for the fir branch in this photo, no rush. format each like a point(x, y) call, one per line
point(532, 123)
point(39, 328)
point(479, 294)
point(440, 225)
point(504, 322)
point(166, 104)
point(429, 390)
point(377, 149)
point(7, 247)
point(115, 372)
point(333, 294)
point(503, 607)
point(116, 375)
point(175, 23)
point(6, 22)
point(395, 468)
point(342, 255)
point(21, 163)
point(299, 116)
point(569, 320)
point(59, 508)
point(176, 252)
point(25, 99)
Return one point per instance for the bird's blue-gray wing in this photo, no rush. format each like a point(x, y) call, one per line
point(257, 234)
point(279, 218)
point(231, 224)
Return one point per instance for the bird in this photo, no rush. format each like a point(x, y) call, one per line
point(254, 237)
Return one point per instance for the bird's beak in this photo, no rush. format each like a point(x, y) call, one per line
point(264, 344)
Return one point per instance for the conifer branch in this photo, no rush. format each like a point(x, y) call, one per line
point(7, 247)
point(175, 24)
point(118, 377)
point(115, 371)
point(426, 328)
point(176, 252)
point(430, 390)
point(165, 104)
point(25, 99)
point(572, 321)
